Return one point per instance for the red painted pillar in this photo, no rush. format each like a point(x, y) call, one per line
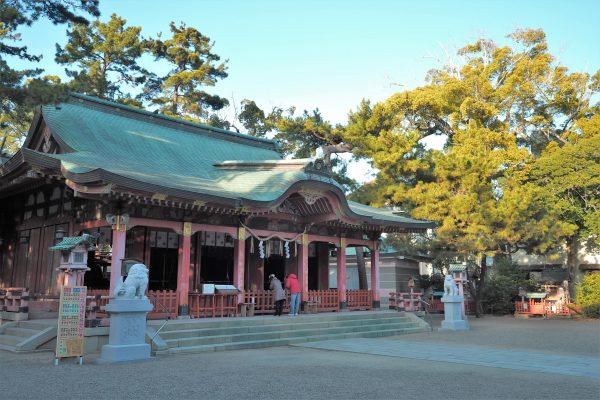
point(118, 254)
point(303, 266)
point(341, 273)
point(375, 275)
point(239, 261)
point(183, 270)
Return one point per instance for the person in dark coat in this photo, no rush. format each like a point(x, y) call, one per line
point(278, 293)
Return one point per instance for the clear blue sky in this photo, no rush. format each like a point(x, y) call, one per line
point(331, 54)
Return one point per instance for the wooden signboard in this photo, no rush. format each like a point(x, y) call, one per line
point(71, 323)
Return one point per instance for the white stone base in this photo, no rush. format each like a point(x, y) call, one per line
point(119, 353)
point(460, 325)
point(127, 332)
point(453, 318)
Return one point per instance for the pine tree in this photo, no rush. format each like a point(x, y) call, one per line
point(106, 56)
point(193, 67)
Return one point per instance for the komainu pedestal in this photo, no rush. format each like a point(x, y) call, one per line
point(126, 341)
point(453, 318)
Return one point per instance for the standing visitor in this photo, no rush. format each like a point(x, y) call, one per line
point(278, 293)
point(292, 284)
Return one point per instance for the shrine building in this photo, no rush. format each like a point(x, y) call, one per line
point(198, 205)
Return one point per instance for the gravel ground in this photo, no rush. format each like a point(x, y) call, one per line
point(305, 373)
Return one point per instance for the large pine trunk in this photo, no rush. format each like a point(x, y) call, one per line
point(572, 263)
point(477, 288)
point(362, 269)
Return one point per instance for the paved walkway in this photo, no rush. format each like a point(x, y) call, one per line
point(499, 358)
point(470, 355)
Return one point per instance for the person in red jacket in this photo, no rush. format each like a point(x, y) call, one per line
point(291, 283)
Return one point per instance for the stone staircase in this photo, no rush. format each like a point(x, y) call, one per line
point(202, 335)
point(28, 335)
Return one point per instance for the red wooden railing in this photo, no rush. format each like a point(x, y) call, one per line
point(212, 305)
point(406, 301)
point(543, 307)
point(263, 301)
point(325, 300)
point(164, 302)
point(359, 299)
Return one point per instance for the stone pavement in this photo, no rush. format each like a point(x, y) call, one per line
point(472, 355)
point(312, 373)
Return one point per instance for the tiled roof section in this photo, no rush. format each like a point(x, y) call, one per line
point(163, 155)
point(105, 141)
point(387, 215)
point(69, 243)
point(457, 268)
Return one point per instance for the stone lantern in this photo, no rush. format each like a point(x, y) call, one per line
point(73, 261)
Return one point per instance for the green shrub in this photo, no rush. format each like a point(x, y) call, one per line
point(502, 287)
point(588, 295)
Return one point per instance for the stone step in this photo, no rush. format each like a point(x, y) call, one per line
point(268, 319)
point(286, 341)
point(277, 325)
point(39, 326)
point(22, 332)
point(11, 340)
point(281, 334)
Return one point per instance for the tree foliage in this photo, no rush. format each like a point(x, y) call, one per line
point(498, 111)
point(102, 58)
point(20, 90)
point(502, 288)
point(588, 295)
point(193, 66)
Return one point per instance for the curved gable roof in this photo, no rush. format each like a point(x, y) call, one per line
point(111, 143)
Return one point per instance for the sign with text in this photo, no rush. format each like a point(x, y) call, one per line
point(71, 322)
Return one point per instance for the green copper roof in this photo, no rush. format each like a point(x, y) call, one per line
point(120, 145)
point(69, 243)
point(535, 295)
point(457, 268)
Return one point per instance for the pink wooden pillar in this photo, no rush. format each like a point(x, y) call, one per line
point(341, 274)
point(239, 261)
point(118, 254)
point(183, 271)
point(323, 257)
point(303, 266)
point(375, 275)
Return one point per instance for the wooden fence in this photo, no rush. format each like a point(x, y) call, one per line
point(325, 300)
point(359, 299)
point(212, 305)
point(164, 302)
point(542, 307)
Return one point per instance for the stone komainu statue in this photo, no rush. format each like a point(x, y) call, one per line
point(450, 288)
point(135, 284)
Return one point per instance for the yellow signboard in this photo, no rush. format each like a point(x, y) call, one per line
point(71, 322)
